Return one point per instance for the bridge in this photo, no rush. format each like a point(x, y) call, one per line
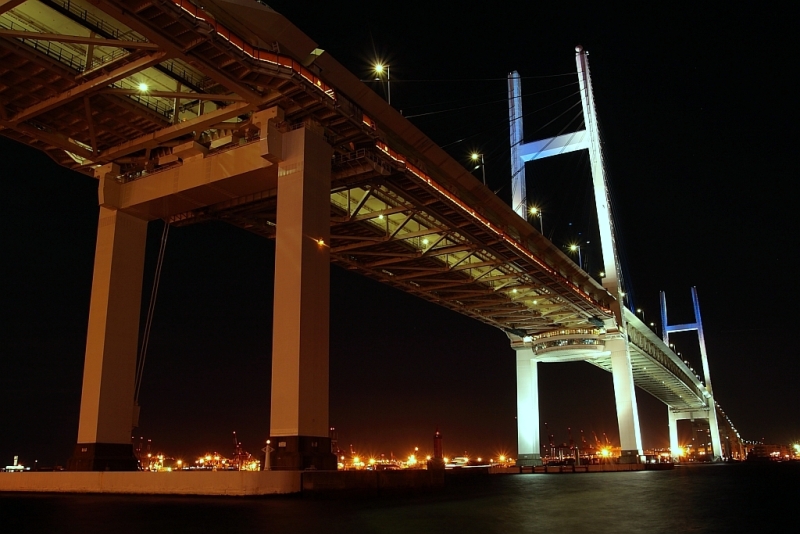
point(229, 112)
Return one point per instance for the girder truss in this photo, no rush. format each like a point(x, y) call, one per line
point(91, 82)
point(72, 83)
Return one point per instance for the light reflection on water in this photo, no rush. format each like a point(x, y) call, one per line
point(714, 498)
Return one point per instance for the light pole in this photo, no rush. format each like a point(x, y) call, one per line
point(639, 310)
point(379, 68)
point(475, 157)
point(536, 212)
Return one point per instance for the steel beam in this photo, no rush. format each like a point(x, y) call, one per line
point(78, 39)
point(123, 13)
point(88, 87)
point(171, 132)
point(8, 5)
point(175, 94)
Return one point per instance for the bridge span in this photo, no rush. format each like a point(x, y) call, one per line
point(229, 112)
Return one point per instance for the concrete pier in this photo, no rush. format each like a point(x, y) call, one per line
point(239, 483)
point(232, 483)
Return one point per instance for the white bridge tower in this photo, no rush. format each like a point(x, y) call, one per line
point(615, 339)
point(711, 414)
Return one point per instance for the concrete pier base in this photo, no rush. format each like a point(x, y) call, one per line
point(630, 457)
point(232, 483)
point(139, 482)
point(103, 457)
point(529, 460)
point(302, 452)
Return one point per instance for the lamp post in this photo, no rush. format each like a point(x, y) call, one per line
point(536, 212)
point(267, 450)
point(639, 310)
point(475, 157)
point(379, 68)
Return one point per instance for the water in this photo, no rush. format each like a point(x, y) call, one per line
point(712, 498)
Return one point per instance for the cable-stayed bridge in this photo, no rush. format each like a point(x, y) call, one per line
point(229, 112)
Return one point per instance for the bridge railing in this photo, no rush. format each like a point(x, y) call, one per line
point(82, 14)
point(645, 340)
point(51, 49)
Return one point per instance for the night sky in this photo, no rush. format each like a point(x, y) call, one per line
point(697, 111)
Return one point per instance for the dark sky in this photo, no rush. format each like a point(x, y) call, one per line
point(697, 112)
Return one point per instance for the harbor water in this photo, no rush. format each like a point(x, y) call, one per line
point(697, 498)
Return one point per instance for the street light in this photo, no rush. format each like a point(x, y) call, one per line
point(577, 247)
point(536, 212)
point(379, 68)
point(639, 310)
point(475, 157)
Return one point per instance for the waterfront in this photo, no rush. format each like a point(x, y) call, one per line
point(703, 498)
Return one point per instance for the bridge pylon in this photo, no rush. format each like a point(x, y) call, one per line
point(711, 413)
point(615, 337)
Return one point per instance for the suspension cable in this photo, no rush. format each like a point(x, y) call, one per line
point(151, 307)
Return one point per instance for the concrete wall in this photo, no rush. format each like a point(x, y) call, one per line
point(372, 480)
point(175, 483)
point(500, 470)
point(589, 468)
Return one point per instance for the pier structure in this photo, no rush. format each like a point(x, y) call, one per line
point(227, 111)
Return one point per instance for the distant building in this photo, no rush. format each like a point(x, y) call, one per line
point(766, 452)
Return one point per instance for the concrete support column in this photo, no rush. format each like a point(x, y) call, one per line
point(299, 410)
point(627, 410)
point(674, 444)
point(713, 424)
point(528, 443)
point(104, 430)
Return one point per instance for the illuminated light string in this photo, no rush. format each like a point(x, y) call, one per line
point(368, 121)
point(316, 82)
point(258, 54)
point(419, 174)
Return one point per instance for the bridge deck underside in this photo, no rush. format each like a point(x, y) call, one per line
point(649, 375)
point(390, 225)
point(390, 221)
point(658, 370)
point(400, 220)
